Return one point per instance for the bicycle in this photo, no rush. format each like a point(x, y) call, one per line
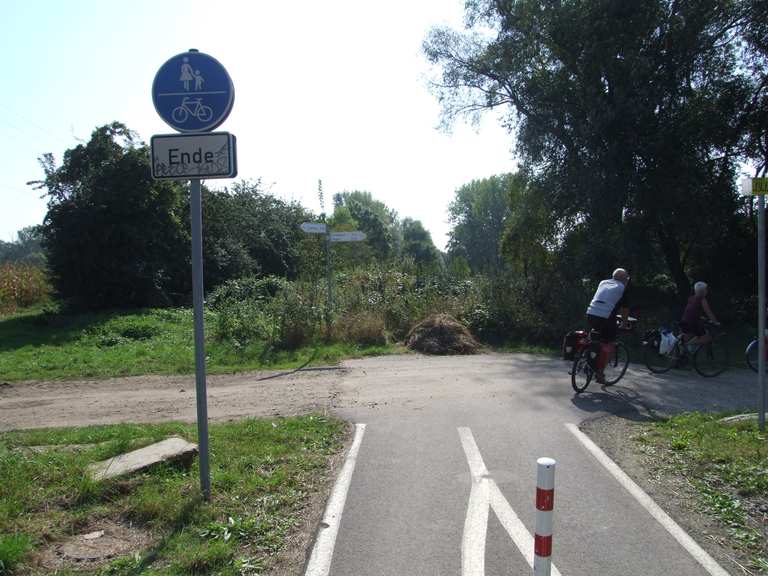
point(710, 359)
point(192, 107)
point(584, 363)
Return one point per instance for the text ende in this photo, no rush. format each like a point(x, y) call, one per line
point(176, 156)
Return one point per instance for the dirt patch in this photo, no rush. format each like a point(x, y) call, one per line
point(98, 544)
point(163, 398)
point(442, 334)
point(618, 438)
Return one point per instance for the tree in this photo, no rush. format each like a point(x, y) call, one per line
point(373, 217)
point(113, 236)
point(529, 241)
point(27, 249)
point(622, 111)
point(417, 244)
point(477, 213)
point(247, 231)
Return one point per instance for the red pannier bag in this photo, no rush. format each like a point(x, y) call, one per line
point(573, 343)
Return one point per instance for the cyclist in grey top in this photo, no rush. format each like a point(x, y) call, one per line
point(610, 298)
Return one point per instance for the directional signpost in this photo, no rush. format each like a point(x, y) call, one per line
point(355, 236)
point(193, 94)
point(313, 227)
point(330, 237)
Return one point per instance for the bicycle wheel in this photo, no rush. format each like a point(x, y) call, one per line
point(179, 115)
point(751, 355)
point(655, 361)
point(205, 113)
point(581, 373)
point(617, 364)
point(710, 359)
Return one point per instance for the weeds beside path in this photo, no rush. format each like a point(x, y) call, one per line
point(264, 475)
point(712, 477)
point(36, 345)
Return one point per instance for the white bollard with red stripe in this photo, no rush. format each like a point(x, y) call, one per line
point(545, 500)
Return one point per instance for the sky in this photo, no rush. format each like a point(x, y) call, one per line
point(334, 90)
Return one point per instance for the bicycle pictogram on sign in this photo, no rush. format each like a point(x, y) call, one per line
point(192, 92)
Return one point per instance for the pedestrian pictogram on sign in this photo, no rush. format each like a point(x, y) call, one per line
point(193, 92)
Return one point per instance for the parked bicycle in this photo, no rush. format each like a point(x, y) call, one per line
point(585, 360)
point(709, 359)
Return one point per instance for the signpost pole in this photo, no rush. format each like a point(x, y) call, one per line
point(329, 275)
point(196, 216)
point(761, 309)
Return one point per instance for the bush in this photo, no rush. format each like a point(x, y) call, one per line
point(364, 328)
point(247, 288)
point(271, 310)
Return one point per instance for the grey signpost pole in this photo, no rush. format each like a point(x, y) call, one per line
point(329, 274)
point(196, 153)
point(761, 308)
point(196, 216)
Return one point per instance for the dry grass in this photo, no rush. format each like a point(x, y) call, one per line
point(21, 286)
point(364, 328)
point(442, 334)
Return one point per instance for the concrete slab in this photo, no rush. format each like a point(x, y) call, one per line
point(739, 418)
point(130, 462)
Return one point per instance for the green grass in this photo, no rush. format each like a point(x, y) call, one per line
point(523, 348)
point(41, 345)
point(261, 474)
point(728, 466)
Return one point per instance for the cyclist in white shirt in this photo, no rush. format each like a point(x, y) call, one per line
point(609, 299)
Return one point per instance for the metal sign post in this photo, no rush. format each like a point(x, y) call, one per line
point(760, 304)
point(759, 187)
point(193, 93)
point(331, 237)
point(196, 216)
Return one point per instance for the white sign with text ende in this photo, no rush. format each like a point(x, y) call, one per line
point(186, 156)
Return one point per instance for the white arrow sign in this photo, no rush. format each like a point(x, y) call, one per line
point(313, 227)
point(355, 236)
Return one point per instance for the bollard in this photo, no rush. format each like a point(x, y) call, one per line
point(545, 500)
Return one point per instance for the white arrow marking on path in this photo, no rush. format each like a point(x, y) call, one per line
point(320, 562)
point(485, 494)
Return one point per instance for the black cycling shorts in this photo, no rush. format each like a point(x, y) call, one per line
point(696, 329)
point(606, 326)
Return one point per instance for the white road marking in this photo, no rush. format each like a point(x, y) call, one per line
point(322, 553)
point(475, 528)
point(682, 537)
point(485, 494)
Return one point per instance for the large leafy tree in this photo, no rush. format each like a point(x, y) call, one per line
point(376, 219)
point(626, 114)
point(113, 236)
point(477, 213)
point(417, 244)
point(247, 231)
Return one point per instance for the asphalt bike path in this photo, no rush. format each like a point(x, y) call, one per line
point(409, 495)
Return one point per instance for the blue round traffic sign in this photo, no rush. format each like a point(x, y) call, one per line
point(192, 92)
